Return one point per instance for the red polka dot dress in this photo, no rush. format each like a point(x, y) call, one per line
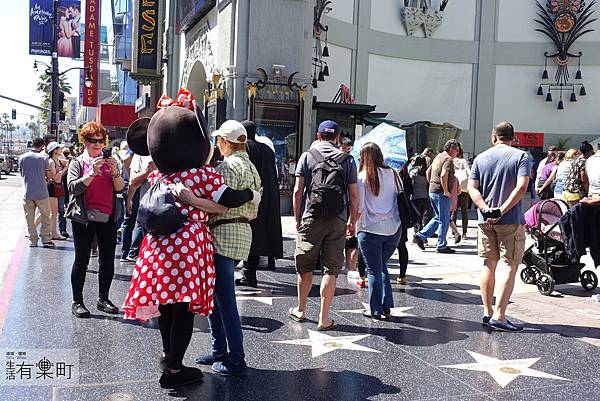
point(178, 267)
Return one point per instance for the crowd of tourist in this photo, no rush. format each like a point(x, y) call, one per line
point(348, 215)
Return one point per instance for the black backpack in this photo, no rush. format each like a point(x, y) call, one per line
point(325, 196)
point(158, 213)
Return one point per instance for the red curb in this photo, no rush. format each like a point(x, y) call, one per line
point(10, 279)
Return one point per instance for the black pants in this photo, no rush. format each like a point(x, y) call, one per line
point(362, 269)
point(83, 236)
point(176, 324)
point(463, 204)
point(251, 265)
point(426, 211)
point(403, 253)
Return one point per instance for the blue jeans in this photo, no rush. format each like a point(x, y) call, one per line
point(127, 227)
point(376, 250)
point(224, 321)
point(62, 220)
point(440, 221)
point(136, 240)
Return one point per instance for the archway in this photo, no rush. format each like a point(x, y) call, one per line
point(196, 82)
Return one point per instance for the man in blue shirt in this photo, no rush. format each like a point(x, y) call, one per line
point(499, 179)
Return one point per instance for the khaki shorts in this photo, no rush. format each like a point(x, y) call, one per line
point(502, 241)
point(325, 236)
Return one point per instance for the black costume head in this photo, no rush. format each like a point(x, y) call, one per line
point(250, 128)
point(176, 138)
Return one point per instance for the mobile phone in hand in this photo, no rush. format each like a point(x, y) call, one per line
point(106, 153)
point(492, 214)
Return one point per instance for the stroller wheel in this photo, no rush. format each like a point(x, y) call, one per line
point(589, 280)
point(545, 284)
point(529, 275)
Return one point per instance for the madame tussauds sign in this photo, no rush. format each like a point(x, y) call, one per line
point(91, 47)
point(148, 21)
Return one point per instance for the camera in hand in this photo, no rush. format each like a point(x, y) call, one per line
point(106, 153)
point(492, 213)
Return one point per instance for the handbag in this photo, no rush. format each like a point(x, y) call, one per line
point(97, 216)
point(157, 213)
point(409, 214)
point(59, 189)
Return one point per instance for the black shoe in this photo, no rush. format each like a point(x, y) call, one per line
point(64, 234)
point(434, 235)
point(246, 282)
point(107, 306)
point(446, 250)
point(419, 241)
point(79, 310)
point(94, 253)
point(185, 377)
point(209, 359)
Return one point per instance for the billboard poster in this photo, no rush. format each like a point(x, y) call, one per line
point(68, 31)
point(40, 27)
point(190, 11)
point(90, 55)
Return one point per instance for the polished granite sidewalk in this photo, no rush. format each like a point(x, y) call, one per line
point(433, 349)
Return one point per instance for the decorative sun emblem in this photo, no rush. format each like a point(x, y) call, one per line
point(564, 23)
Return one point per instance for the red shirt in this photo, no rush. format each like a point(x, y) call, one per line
point(99, 194)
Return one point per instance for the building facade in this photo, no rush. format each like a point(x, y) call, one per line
point(482, 65)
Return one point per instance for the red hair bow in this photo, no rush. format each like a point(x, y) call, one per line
point(184, 99)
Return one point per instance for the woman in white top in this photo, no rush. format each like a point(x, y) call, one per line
point(592, 166)
point(378, 226)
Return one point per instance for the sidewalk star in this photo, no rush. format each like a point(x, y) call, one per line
point(322, 343)
point(503, 371)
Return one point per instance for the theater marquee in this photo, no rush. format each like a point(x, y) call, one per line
point(148, 27)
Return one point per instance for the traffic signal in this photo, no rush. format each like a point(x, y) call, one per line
point(14, 114)
point(61, 101)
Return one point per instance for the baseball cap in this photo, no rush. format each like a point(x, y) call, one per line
point(233, 131)
point(51, 146)
point(329, 127)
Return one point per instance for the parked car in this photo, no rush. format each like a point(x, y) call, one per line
point(5, 165)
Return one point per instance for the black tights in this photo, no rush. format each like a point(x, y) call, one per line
point(402, 258)
point(176, 324)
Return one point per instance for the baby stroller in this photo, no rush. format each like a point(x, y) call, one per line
point(546, 261)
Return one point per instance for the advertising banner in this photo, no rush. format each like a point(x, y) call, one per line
point(40, 27)
point(68, 36)
point(529, 139)
point(90, 56)
point(148, 27)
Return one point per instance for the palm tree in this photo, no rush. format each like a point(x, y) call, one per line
point(562, 143)
point(45, 86)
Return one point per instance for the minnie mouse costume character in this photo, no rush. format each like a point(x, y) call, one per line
point(174, 275)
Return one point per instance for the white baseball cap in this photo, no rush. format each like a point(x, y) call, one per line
point(232, 131)
point(51, 146)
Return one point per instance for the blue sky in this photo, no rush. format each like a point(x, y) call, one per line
point(17, 78)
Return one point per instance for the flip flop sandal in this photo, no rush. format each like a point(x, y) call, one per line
point(295, 317)
point(332, 326)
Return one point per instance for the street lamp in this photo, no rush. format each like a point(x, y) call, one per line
point(55, 75)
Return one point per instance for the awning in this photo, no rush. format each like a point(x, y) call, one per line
point(116, 115)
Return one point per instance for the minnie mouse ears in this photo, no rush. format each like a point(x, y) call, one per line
point(137, 136)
